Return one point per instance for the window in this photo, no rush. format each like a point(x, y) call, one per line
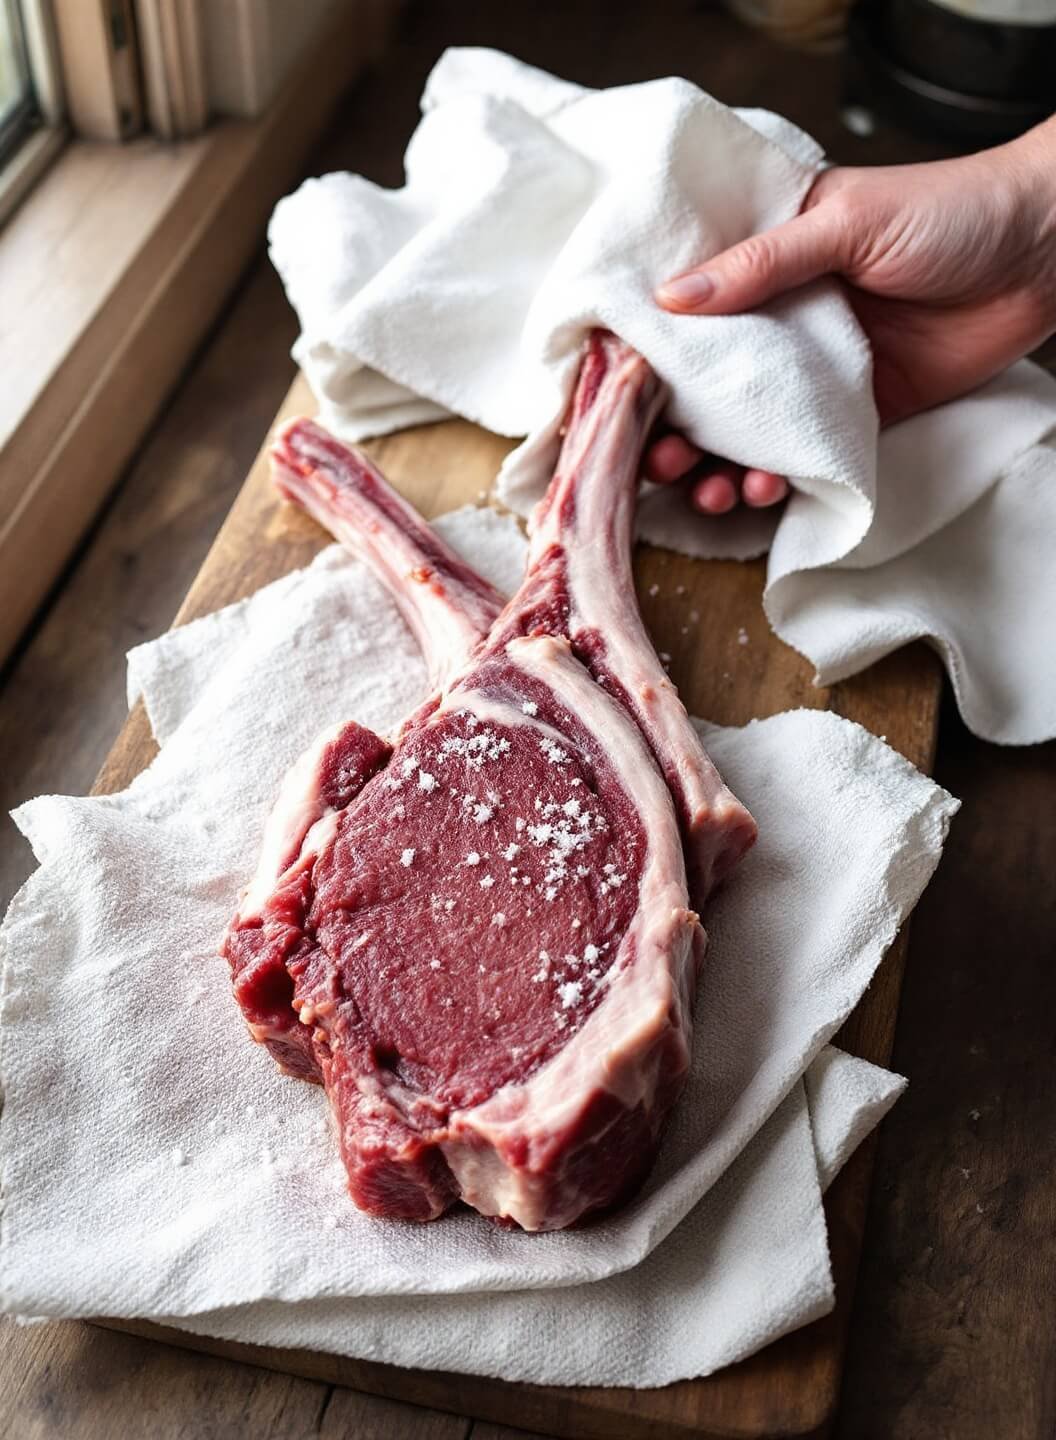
point(18, 108)
point(31, 108)
point(116, 265)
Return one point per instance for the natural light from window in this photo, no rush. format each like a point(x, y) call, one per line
point(16, 96)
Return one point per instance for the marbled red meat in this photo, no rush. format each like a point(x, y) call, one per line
point(479, 936)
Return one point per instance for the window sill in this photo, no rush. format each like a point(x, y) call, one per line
point(111, 272)
point(24, 170)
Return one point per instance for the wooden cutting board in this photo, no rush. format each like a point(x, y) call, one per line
point(729, 667)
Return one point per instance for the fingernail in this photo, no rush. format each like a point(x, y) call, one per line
point(687, 291)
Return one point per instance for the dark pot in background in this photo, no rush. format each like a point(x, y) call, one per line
point(979, 79)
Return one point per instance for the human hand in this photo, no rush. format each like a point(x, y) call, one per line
point(715, 486)
point(950, 268)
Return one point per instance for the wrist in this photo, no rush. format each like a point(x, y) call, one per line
point(1030, 162)
point(1034, 160)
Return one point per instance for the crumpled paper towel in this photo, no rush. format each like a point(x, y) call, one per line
point(749, 1263)
point(155, 1163)
point(534, 209)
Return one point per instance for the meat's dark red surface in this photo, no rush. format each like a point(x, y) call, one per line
point(517, 857)
point(480, 938)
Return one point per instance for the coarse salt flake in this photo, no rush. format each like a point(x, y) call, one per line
point(529, 707)
point(407, 857)
point(472, 858)
point(570, 993)
point(426, 781)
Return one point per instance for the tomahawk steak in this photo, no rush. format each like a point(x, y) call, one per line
point(478, 934)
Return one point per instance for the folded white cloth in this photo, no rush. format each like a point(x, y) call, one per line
point(156, 1164)
point(534, 209)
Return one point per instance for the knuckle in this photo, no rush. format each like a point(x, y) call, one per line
point(841, 214)
point(756, 258)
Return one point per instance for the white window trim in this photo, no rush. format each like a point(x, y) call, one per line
point(27, 165)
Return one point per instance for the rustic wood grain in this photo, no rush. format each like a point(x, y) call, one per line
point(350, 1413)
point(954, 1334)
point(791, 1387)
point(88, 1384)
point(485, 1431)
point(100, 1385)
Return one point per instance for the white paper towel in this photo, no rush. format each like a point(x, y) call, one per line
point(155, 1163)
point(748, 1264)
point(534, 209)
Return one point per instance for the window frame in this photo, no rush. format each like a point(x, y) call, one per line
point(34, 133)
point(99, 354)
point(24, 113)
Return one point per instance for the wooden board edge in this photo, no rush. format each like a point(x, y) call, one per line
point(539, 1409)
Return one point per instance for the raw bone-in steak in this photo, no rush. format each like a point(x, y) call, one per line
point(478, 935)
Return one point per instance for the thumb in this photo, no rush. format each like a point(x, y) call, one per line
point(757, 269)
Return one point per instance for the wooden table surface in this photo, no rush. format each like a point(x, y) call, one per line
point(954, 1330)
